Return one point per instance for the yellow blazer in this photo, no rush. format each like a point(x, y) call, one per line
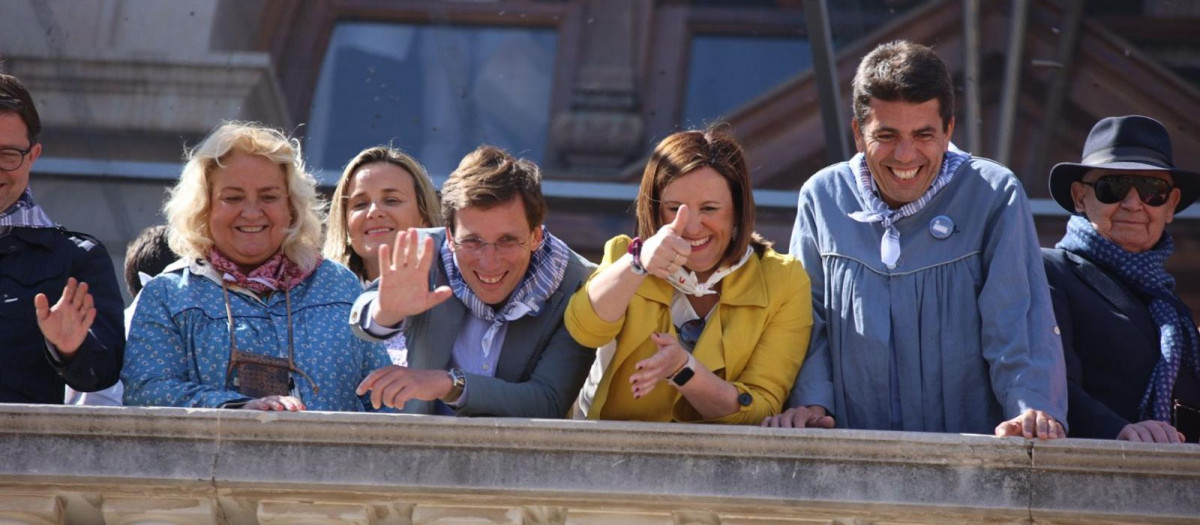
point(756, 339)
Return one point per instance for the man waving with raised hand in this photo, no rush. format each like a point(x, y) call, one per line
point(480, 302)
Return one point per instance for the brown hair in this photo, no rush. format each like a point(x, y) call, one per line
point(14, 98)
point(337, 234)
point(684, 152)
point(488, 177)
point(149, 253)
point(903, 71)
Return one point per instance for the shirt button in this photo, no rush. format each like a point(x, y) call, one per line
point(745, 399)
point(487, 367)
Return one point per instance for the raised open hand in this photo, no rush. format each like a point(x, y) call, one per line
point(65, 325)
point(666, 251)
point(404, 279)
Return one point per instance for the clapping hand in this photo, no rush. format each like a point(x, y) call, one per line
point(668, 360)
point(404, 279)
point(666, 251)
point(65, 325)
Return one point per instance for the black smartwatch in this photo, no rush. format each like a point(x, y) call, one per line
point(684, 374)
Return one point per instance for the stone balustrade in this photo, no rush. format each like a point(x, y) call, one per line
point(84, 465)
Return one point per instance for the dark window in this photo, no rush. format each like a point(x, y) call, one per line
point(436, 92)
point(726, 71)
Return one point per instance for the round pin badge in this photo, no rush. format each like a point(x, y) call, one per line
point(941, 227)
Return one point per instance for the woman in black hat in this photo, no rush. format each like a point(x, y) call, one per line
point(1131, 346)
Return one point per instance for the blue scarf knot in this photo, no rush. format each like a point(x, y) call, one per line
point(875, 210)
point(547, 268)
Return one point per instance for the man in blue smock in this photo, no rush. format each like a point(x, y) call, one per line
point(930, 305)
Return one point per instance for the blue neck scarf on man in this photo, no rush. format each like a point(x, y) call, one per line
point(546, 270)
point(875, 210)
point(25, 213)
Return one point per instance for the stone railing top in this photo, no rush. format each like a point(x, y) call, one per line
point(609, 466)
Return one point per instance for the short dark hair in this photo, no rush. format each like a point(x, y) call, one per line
point(148, 253)
point(903, 71)
point(686, 151)
point(488, 177)
point(14, 98)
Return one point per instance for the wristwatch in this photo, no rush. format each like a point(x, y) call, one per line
point(459, 378)
point(684, 374)
point(635, 250)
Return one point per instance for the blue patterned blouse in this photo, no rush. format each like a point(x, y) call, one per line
point(178, 349)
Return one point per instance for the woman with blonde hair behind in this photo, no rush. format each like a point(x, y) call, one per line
point(697, 318)
point(251, 316)
point(382, 191)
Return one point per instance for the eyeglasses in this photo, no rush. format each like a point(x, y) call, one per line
point(476, 246)
point(689, 333)
point(12, 158)
point(1111, 189)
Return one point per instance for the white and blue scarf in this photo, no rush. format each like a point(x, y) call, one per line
point(1146, 273)
point(25, 214)
point(545, 274)
point(875, 210)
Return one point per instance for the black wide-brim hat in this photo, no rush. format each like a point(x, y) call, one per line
point(1124, 143)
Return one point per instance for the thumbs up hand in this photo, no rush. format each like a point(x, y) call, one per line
point(667, 251)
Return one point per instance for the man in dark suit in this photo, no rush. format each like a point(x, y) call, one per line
point(1130, 344)
point(480, 302)
point(60, 308)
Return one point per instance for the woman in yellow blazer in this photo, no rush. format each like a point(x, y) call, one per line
point(697, 319)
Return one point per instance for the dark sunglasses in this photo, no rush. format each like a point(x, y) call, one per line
point(690, 332)
point(1111, 189)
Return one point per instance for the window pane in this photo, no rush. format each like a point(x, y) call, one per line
point(436, 92)
point(726, 71)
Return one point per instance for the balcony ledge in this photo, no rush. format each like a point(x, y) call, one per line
point(140, 465)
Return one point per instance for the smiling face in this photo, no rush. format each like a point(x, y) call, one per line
point(904, 144)
point(14, 135)
point(1131, 224)
point(493, 272)
point(710, 223)
point(249, 210)
point(381, 201)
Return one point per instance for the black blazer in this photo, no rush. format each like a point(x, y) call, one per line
point(1110, 344)
point(39, 260)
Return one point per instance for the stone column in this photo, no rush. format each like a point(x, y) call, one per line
point(603, 128)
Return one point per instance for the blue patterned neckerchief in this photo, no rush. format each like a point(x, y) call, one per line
point(546, 270)
point(1145, 272)
point(25, 214)
point(875, 210)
